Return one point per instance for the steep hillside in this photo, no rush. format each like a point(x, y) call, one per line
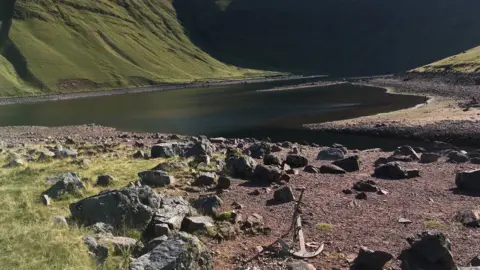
point(64, 45)
point(339, 37)
point(465, 62)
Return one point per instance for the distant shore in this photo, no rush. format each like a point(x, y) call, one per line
point(154, 88)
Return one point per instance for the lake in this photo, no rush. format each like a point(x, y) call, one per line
point(231, 111)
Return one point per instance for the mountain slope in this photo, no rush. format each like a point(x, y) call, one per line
point(338, 37)
point(64, 45)
point(465, 62)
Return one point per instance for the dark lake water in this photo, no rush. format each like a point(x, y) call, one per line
point(230, 111)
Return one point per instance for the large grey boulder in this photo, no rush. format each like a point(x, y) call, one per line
point(331, 169)
point(331, 154)
point(296, 161)
point(428, 251)
point(469, 218)
point(63, 184)
point(156, 178)
point(179, 252)
point(125, 208)
point(468, 180)
point(240, 166)
point(166, 150)
point(283, 195)
point(266, 174)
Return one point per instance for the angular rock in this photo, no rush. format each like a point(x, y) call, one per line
point(428, 250)
point(60, 221)
point(45, 199)
point(266, 174)
point(270, 159)
point(172, 212)
point(429, 157)
point(140, 155)
point(331, 169)
point(475, 261)
point(259, 150)
point(179, 252)
point(208, 204)
point(349, 164)
point(391, 170)
point(170, 166)
point(296, 161)
point(469, 218)
point(468, 180)
point(65, 183)
point(366, 186)
point(283, 195)
point(105, 180)
point(198, 223)
point(240, 166)
point(201, 147)
point(457, 157)
point(254, 220)
point(380, 161)
point(361, 196)
point(101, 228)
point(371, 260)
point(156, 178)
point(65, 153)
point(224, 182)
point(97, 251)
point(331, 154)
point(311, 169)
point(205, 179)
point(128, 207)
point(407, 150)
point(166, 150)
point(218, 140)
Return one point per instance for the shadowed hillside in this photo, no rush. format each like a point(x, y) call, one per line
point(347, 37)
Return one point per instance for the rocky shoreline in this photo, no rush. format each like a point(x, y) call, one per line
point(163, 201)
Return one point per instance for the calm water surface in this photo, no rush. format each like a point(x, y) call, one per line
point(239, 110)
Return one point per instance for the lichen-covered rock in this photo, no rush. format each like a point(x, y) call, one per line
point(64, 183)
point(166, 150)
point(181, 251)
point(125, 208)
point(205, 179)
point(240, 166)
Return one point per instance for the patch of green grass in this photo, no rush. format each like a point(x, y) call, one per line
point(324, 227)
point(83, 44)
point(466, 62)
point(29, 238)
point(434, 224)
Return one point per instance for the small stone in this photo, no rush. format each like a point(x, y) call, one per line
point(382, 192)
point(361, 196)
point(254, 220)
point(237, 205)
point(292, 172)
point(283, 195)
point(347, 191)
point(105, 180)
point(285, 177)
point(469, 218)
point(366, 186)
point(350, 164)
point(224, 182)
point(259, 249)
point(475, 261)
point(140, 155)
point(404, 221)
point(429, 157)
point(60, 221)
point(310, 169)
point(162, 230)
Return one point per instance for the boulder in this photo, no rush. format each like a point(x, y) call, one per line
point(331, 154)
point(270, 159)
point(98, 251)
point(475, 261)
point(179, 252)
point(224, 182)
point(296, 161)
point(429, 251)
point(331, 169)
point(310, 169)
point(240, 166)
point(391, 170)
point(166, 150)
point(349, 164)
point(198, 223)
point(128, 207)
point(266, 174)
point(259, 150)
point(208, 204)
point(170, 166)
point(105, 180)
point(65, 153)
point(468, 180)
point(469, 218)
point(254, 220)
point(366, 186)
point(371, 260)
point(64, 183)
point(200, 147)
point(457, 157)
point(205, 179)
point(172, 212)
point(161, 230)
point(283, 195)
point(341, 147)
point(156, 178)
point(407, 150)
point(429, 157)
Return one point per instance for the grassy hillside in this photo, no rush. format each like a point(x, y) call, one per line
point(465, 62)
point(64, 45)
point(347, 37)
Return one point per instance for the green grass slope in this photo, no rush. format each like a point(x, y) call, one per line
point(465, 62)
point(64, 45)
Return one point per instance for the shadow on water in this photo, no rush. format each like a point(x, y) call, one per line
point(229, 111)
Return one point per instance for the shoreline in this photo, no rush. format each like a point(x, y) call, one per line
point(145, 89)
